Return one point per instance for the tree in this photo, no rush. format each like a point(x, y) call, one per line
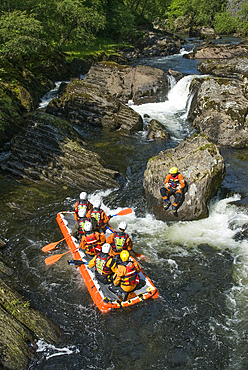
point(21, 36)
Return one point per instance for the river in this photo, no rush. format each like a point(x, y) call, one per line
point(199, 320)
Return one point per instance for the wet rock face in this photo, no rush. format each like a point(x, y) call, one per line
point(50, 150)
point(220, 111)
point(86, 104)
point(142, 84)
point(202, 166)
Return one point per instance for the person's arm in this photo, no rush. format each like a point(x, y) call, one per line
point(120, 272)
point(110, 239)
point(181, 181)
point(112, 264)
point(129, 244)
point(82, 243)
point(92, 262)
point(105, 218)
point(101, 238)
point(136, 265)
point(166, 181)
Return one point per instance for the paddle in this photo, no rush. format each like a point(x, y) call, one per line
point(141, 256)
point(51, 246)
point(77, 262)
point(54, 258)
point(126, 211)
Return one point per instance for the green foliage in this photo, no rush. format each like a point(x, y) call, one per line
point(120, 21)
point(21, 36)
point(225, 23)
point(200, 12)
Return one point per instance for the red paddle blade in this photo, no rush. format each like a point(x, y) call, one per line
point(141, 256)
point(125, 212)
point(52, 259)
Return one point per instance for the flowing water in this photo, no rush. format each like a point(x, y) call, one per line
point(199, 320)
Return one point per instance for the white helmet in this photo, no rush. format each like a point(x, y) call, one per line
point(87, 226)
point(123, 225)
point(106, 248)
point(97, 204)
point(82, 212)
point(83, 195)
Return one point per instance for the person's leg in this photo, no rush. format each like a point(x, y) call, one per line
point(166, 197)
point(178, 196)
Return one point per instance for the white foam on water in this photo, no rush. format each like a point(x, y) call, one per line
point(51, 351)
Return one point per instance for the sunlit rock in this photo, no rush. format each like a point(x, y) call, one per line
point(203, 168)
point(219, 110)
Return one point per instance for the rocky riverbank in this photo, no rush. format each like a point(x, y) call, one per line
point(20, 324)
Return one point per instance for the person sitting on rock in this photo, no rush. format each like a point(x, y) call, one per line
point(82, 203)
point(99, 215)
point(91, 240)
point(126, 277)
point(173, 185)
point(105, 265)
point(119, 240)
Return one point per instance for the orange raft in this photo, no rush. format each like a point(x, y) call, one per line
point(104, 299)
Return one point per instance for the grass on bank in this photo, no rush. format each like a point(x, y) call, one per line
point(95, 50)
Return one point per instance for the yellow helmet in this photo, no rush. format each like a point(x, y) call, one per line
point(173, 170)
point(124, 256)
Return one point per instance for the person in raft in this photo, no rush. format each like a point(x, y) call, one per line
point(173, 185)
point(82, 203)
point(105, 265)
point(99, 215)
point(119, 240)
point(126, 277)
point(78, 228)
point(91, 241)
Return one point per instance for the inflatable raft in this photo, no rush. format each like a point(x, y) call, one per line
point(104, 299)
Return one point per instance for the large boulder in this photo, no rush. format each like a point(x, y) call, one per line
point(86, 104)
point(142, 84)
point(50, 150)
point(220, 51)
point(203, 168)
point(236, 67)
point(220, 110)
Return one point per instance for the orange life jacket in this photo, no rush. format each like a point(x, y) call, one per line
point(131, 276)
point(101, 262)
point(119, 241)
point(93, 245)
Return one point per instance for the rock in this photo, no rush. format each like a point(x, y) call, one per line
point(86, 104)
point(220, 111)
point(50, 150)
point(177, 75)
point(151, 44)
point(142, 84)
point(20, 325)
point(219, 51)
point(202, 166)
point(156, 131)
point(2, 243)
point(236, 68)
